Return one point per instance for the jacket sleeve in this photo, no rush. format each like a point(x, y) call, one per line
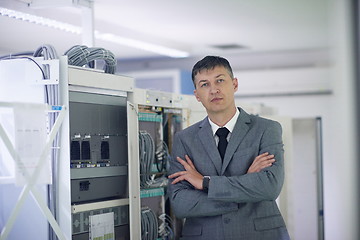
point(186, 201)
point(254, 187)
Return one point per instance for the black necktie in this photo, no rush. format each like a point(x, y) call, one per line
point(222, 134)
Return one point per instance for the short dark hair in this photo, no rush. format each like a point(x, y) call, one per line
point(209, 63)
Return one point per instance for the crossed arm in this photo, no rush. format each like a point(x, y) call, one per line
point(190, 202)
point(191, 175)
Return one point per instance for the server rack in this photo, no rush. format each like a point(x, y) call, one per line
point(160, 116)
point(97, 156)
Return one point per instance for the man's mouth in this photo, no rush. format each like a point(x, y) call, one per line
point(216, 99)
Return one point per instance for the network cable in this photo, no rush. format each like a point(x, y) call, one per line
point(81, 55)
point(149, 224)
point(166, 227)
point(147, 157)
point(162, 156)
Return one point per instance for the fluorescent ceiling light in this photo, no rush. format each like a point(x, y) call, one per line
point(141, 45)
point(171, 52)
point(40, 20)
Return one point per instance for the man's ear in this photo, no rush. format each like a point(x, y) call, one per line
point(236, 84)
point(196, 95)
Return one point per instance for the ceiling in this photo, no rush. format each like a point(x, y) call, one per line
point(196, 27)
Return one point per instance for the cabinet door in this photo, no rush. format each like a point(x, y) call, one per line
point(134, 174)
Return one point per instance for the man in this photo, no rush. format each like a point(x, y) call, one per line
point(227, 195)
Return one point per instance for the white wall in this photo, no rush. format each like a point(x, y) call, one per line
point(285, 81)
point(336, 111)
point(342, 178)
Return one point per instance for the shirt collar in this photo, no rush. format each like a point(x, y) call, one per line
point(229, 125)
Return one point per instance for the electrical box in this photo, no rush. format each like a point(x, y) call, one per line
point(98, 147)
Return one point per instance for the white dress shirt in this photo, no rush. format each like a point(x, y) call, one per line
point(229, 125)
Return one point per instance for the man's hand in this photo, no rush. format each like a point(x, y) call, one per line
point(260, 162)
point(190, 174)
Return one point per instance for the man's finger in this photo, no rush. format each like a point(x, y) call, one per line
point(263, 161)
point(261, 156)
point(189, 161)
point(266, 163)
point(176, 180)
point(269, 156)
point(174, 175)
point(182, 161)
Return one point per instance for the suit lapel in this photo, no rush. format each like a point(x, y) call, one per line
point(208, 142)
point(239, 132)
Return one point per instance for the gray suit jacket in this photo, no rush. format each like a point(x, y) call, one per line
point(238, 205)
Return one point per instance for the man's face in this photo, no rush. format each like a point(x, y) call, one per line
point(215, 89)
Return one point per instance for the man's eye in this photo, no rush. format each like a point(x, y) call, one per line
point(204, 85)
point(220, 80)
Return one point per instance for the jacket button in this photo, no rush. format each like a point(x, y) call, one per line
point(226, 220)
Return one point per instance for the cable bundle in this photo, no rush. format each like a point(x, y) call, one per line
point(166, 227)
point(52, 91)
point(149, 224)
point(147, 156)
point(47, 51)
point(80, 55)
point(162, 156)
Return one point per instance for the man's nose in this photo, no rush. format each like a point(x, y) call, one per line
point(214, 90)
